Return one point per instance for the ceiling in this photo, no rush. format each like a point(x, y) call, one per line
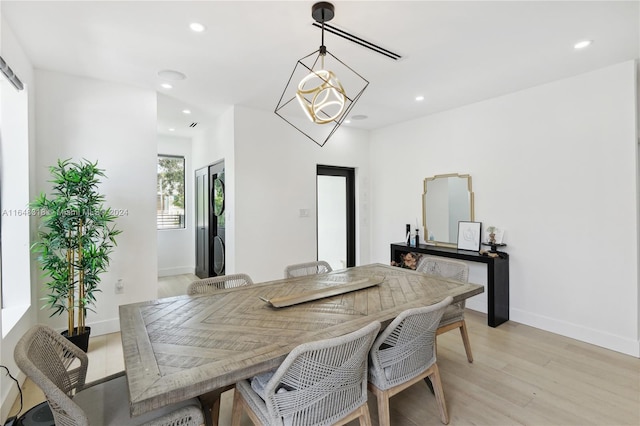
point(453, 53)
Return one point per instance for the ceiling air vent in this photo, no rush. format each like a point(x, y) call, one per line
point(194, 124)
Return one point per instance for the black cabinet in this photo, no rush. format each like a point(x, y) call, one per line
point(497, 275)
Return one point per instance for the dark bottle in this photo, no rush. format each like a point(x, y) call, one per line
point(408, 234)
point(417, 238)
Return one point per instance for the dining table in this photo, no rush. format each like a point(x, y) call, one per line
point(182, 347)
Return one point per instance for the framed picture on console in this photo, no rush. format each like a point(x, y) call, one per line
point(469, 235)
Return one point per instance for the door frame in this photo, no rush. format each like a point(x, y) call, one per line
point(201, 221)
point(349, 174)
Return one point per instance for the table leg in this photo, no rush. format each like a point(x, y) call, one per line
point(211, 406)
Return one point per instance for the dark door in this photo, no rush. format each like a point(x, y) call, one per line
point(216, 219)
point(336, 213)
point(210, 223)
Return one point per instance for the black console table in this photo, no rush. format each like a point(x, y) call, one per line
point(497, 275)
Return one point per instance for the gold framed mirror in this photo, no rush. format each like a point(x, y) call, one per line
point(446, 200)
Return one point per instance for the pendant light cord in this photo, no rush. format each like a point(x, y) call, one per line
point(323, 48)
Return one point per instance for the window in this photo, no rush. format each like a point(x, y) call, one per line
point(15, 214)
point(170, 192)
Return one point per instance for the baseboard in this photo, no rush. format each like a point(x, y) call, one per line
point(178, 270)
point(578, 332)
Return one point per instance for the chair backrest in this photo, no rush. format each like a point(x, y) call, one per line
point(321, 382)
point(56, 366)
point(445, 268)
point(406, 347)
point(308, 268)
point(209, 285)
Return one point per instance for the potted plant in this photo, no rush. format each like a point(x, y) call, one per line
point(75, 238)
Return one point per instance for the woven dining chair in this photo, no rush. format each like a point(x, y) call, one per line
point(308, 268)
point(453, 316)
point(211, 401)
point(319, 383)
point(404, 354)
point(59, 369)
point(208, 285)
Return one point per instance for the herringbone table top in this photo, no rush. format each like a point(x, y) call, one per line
point(181, 347)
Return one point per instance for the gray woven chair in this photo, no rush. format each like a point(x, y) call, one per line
point(454, 315)
point(211, 401)
point(207, 285)
point(319, 383)
point(309, 268)
point(59, 368)
point(404, 354)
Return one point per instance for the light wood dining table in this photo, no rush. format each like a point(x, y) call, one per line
point(187, 346)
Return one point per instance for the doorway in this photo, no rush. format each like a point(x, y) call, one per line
point(336, 216)
point(210, 221)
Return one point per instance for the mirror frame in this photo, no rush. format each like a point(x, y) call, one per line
point(424, 210)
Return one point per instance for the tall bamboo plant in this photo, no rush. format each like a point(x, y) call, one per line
point(75, 238)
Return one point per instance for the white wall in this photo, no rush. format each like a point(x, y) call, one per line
point(275, 177)
point(555, 166)
point(115, 125)
point(176, 247)
point(215, 142)
point(13, 53)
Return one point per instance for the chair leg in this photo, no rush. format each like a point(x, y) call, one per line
point(439, 392)
point(361, 413)
point(365, 417)
point(383, 405)
point(236, 413)
point(465, 340)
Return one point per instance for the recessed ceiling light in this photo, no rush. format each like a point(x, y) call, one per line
point(582, 44)
point(347, 121)
point(171, 75)
point(420, 98)
point(166, 86)
point(171, 129)
point(186, 111)
point(359, 117)
point(197, 27)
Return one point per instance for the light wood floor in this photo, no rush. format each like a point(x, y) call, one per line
point(520, 376)
point(175, 285)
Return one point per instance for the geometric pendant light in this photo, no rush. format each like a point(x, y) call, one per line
point(321, 89)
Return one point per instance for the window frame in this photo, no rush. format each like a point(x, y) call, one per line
point(181, 225)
